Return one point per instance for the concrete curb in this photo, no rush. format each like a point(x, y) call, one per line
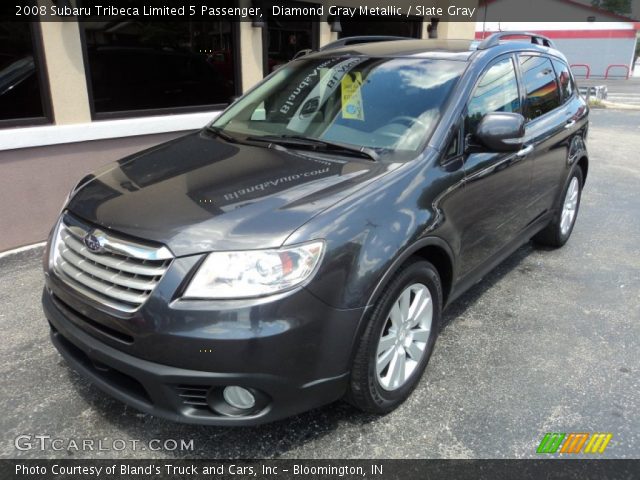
point(619, 106)
point(26, 248)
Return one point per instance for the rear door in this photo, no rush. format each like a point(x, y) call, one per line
point(548, 129)
point(496, 183)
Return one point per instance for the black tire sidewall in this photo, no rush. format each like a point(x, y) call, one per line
point(575, 173)
point(418, 272)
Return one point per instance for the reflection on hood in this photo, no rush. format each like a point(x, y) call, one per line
point(199, 193)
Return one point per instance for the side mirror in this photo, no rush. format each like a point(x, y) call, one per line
point(501, 131)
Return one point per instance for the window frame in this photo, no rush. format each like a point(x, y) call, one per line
point(43, 85)
point(521, 94)
point(574, 87)
point(237, 72)
point(457, 133)
point(524, 90)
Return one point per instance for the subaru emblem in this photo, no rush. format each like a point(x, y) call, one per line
point(93, 243)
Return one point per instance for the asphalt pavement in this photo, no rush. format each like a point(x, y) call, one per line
point(548, 342)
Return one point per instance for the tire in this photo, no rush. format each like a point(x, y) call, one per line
point(381, 391)
point(556, 234)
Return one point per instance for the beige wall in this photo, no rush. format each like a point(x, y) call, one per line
point(326, 35)
point(251, 54)
point(35, 181)
point(457, 30)
point(65, 71)
point(251, 57)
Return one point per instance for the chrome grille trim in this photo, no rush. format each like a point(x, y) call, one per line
point(125, 248)
point(108, 275)
point(121, 278)
point(113, 261)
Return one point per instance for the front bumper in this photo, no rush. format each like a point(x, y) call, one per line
point(295, 353)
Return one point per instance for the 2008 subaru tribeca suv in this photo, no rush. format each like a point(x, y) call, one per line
point(301, 248)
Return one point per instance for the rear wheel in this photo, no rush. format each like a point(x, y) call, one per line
point(559, 230)
point(398, 340)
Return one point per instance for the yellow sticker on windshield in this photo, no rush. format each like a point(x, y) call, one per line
point(351, 96)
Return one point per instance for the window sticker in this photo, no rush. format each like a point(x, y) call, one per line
point(330, 80)
point(352, 97)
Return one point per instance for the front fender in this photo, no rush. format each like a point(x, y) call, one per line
point(369, 232)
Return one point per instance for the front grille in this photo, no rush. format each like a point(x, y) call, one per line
point(121, 275)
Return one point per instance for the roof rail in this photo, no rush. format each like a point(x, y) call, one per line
point(360, 40)
point(494, 39)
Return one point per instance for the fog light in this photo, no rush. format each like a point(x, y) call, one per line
point(239, 397)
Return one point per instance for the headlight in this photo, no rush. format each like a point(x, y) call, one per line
point(254, 273)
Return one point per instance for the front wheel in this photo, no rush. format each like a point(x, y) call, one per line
point(559, 230)
point(398, 340)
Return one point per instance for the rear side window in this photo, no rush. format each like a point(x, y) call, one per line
point(564, 80)
point(497, 91)
point(540, 86)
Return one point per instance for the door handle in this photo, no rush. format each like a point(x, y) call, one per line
point(570, 124)
point(525, 151)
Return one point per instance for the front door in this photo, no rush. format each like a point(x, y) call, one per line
point(497, 184)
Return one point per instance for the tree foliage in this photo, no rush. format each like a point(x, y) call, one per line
point(621, 7)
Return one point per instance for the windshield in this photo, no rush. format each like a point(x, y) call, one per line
point(380, 103)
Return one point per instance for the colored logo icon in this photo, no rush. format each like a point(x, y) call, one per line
point(574, 443)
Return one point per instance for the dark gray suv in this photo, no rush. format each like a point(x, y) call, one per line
point(301, 248)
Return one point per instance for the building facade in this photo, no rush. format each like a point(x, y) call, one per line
point(598, 43)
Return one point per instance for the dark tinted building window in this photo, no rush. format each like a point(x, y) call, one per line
point(21, 96)
point(497, 91)
point(286, 36)
point(357, 25)
point(540, 86)
point(564, 79)
point(148, 65)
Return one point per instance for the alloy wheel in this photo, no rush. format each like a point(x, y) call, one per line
point(404, 337)
point(569, 206)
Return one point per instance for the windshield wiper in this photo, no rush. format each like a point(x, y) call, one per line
point(317, 145)
point(219, 132)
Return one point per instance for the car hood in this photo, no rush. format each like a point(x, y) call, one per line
point(199, 193)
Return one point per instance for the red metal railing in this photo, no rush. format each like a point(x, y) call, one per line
point(626, 67)
point(584, 65)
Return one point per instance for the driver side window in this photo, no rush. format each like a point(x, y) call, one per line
point(497, 91)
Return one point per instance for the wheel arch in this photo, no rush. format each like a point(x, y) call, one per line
point(583, 163)
point(433, 249)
